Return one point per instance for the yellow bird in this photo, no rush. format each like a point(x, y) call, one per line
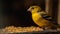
point(40, 17)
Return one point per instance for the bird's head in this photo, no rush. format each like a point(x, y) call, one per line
point(34, 9)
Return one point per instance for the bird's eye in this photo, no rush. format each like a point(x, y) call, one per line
point(32, 8)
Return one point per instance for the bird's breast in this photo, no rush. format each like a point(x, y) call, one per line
point(39, 20)
point(35, 17)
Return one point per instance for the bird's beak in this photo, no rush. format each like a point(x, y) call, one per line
point(28, 10)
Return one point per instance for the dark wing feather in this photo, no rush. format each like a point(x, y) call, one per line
point(45, 16)
point(49, 18)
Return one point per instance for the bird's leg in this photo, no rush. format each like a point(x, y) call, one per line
point(43, 28)
point(47, 28)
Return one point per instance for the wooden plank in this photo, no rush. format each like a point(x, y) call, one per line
point(48, 7)
point(59, 12)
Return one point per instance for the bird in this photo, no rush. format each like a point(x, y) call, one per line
point(41, 17)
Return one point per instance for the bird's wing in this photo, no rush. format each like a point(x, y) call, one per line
point(47, 17)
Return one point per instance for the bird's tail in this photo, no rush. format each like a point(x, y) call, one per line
point(54, 26)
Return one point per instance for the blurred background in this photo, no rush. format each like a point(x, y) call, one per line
point(14, 12)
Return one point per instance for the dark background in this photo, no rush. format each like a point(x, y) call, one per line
point(14, 12)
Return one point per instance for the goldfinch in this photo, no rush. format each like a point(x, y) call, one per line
point(41, 18)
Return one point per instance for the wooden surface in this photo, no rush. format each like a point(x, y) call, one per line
point(59, 12)
point(36, 32)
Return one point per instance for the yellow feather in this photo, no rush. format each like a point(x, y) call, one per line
point(39, 20)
